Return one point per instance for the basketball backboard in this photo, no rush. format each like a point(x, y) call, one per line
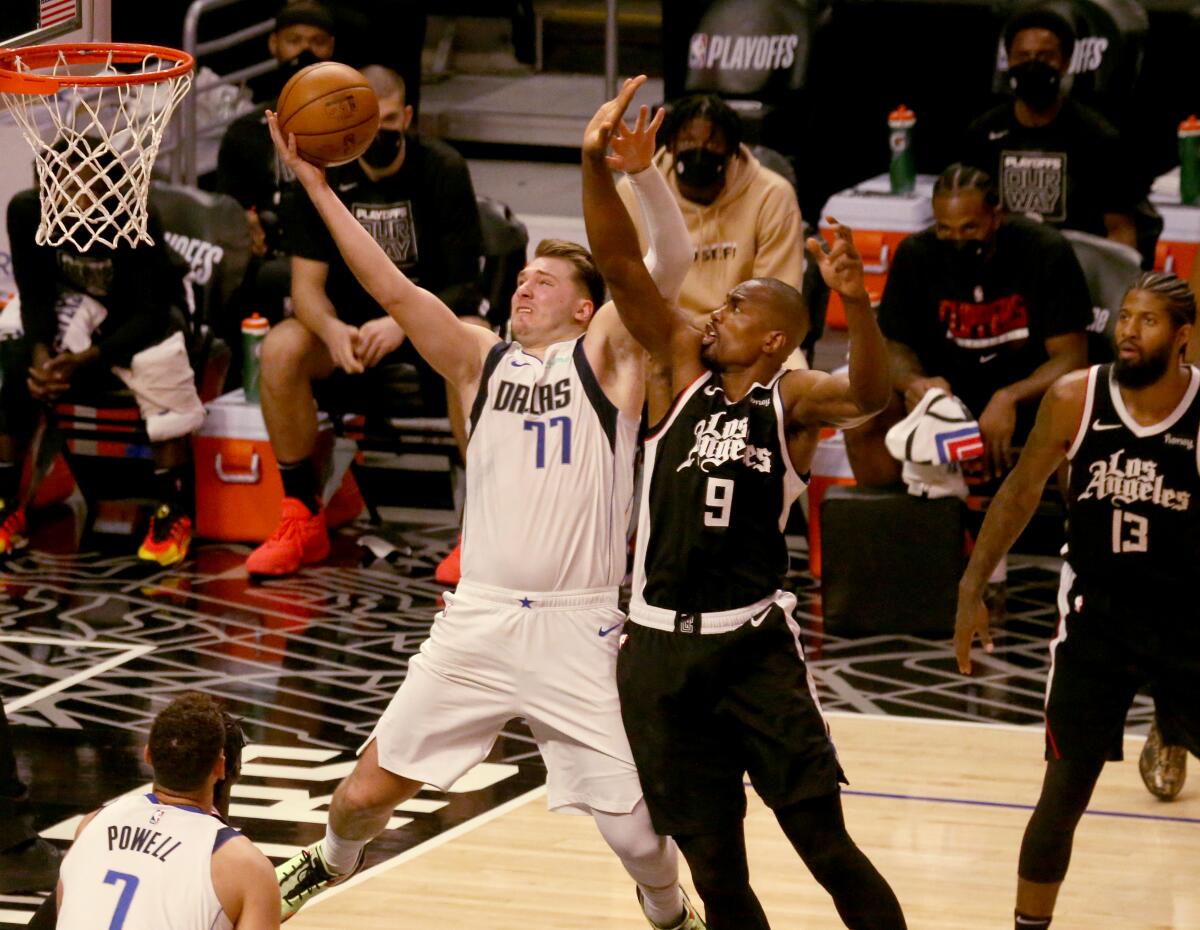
point(36, 22)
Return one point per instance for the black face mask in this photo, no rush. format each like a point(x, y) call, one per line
point(700, 168)
point(967, 256)
point(290, 68)
point(1035, 83)
point(384, 148)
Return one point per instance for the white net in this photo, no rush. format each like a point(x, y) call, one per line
point(94, 148)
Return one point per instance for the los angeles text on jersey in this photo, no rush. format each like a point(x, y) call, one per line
point(718, 443)
point(1126, 480)
point(532, 399)
point(143, 840)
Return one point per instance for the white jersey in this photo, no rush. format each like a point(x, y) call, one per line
point(142, 865)
point(549, 474)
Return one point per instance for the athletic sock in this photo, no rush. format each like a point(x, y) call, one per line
point(300, 482)
point(169, 484)
point(10, 482)
point(1025, 922)
point(340, 854)
point(663, 906)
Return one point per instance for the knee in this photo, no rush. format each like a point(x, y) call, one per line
point(284, 352)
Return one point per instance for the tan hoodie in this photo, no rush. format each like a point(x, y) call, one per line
point(752, 230)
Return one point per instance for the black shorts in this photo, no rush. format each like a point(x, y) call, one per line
point(1103, 654)
point(702, 710)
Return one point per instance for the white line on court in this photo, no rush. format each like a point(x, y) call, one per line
point(130, 651)
point(432, 843)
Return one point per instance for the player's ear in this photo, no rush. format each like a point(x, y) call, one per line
point(146, 755)
point(273, 45)
point(219, 766)
point(585, 311)
point(408, 117)
point(774, 341)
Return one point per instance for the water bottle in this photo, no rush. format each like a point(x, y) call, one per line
point(904, 169)
point(1189, 160)
point(254, 331)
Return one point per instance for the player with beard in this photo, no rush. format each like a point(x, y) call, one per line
point(1130, 431)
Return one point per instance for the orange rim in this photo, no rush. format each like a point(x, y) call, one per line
point(14, 81)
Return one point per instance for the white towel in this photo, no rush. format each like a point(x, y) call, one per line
point(938, 434)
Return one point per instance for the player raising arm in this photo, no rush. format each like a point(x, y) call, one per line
point(712, 681)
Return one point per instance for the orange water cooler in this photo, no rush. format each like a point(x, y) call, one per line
point(830, 467)
point(238, 488)
point(881, 220)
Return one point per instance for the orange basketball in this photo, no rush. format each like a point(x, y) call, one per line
point(332, 111)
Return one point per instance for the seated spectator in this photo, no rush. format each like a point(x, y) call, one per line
point(248, 170)
point(743, 218)
point(1053, 157)
point(989, 308)
point(82, 316)
point(416, 198)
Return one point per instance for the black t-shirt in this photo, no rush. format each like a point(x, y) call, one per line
point(137, 286)
point(1070, 172)
point(988, 331)
point(425, 217)
point(249, 170)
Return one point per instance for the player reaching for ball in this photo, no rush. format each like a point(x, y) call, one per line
point(532, 630)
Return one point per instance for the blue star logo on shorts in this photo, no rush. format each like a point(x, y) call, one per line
point(526, 602)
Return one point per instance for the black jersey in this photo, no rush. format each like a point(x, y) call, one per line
point(1134, 510)
point(717, 487)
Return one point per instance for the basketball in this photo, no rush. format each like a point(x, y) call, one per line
point(332, 111)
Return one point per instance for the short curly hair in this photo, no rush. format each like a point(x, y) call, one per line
point(186, 739)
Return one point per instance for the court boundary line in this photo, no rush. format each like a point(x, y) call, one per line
point(130, 652)
point(935, 722)
point(434, 842)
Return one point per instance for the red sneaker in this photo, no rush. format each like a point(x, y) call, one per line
point(449, 570)
point(168, 538)
point(300, 539)
point(12, 529)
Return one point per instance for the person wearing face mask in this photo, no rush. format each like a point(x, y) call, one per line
point(990, 308)
point(415, 197)
point(743, 218)
point(248, 170)
point(1054, 158)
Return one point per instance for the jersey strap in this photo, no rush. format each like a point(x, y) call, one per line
point(495, 353)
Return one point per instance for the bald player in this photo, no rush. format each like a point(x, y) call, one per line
point(711, 675)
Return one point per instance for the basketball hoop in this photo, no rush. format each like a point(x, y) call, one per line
point(94, 115)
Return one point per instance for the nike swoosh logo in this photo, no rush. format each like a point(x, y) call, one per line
point(995, 134)
point(347, 186)
point(516, 364)
point(615, 626)
point(758, 621)
point(984, 359)
point(1100, 427)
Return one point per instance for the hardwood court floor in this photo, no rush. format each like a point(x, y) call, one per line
point(939, 807)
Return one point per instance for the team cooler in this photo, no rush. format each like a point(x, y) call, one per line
point(717, 489)
point(542, 430)
point(143, 865)
point(1133, 512)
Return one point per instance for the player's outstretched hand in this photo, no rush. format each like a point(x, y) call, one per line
point(841, 266)
point(633, 149)
point(970, 621)
point(604, 124)
point(306, 172)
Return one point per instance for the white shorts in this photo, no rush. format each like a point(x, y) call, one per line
point(489, 659)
